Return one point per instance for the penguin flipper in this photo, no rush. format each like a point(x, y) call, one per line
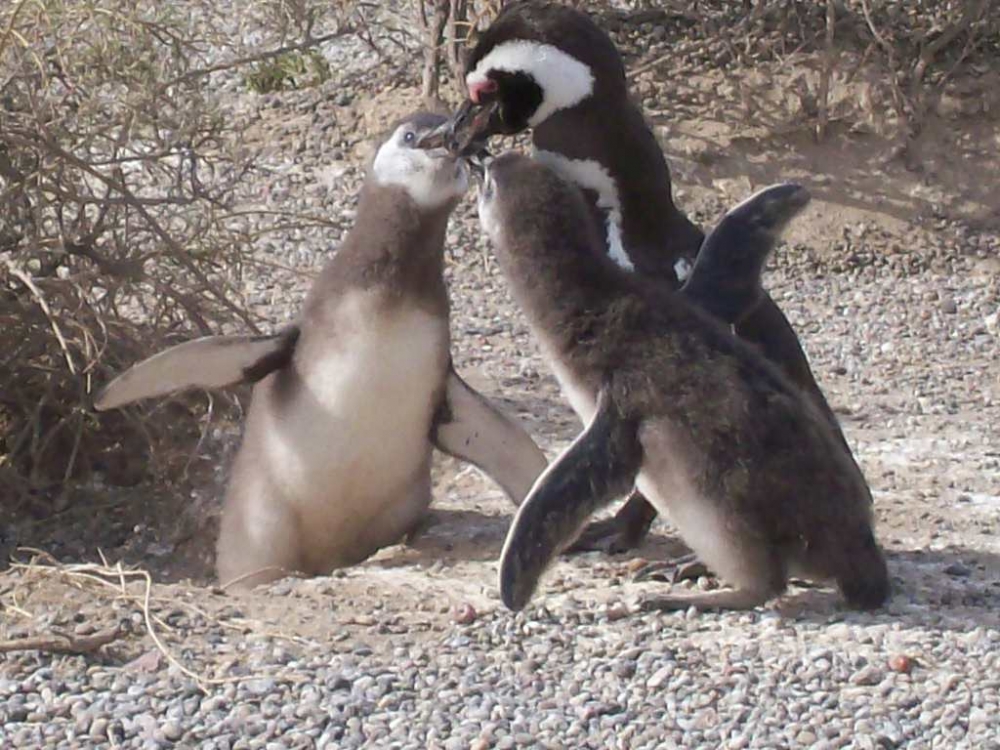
point(599, 466)
point(208, 362)
point(767, 327)
point(726, 278)
point(469, 427)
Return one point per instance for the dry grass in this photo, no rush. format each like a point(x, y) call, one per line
point(119, 175)
point(112, 583)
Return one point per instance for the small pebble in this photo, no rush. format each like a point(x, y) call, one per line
point(465, 614)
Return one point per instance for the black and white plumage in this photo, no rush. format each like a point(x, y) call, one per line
point(550, 68)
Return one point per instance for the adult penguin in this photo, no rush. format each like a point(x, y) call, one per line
point(549, 68)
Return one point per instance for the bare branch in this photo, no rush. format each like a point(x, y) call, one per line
point(829, 57)
point(240, 62)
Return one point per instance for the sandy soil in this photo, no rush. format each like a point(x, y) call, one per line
point(891, 277)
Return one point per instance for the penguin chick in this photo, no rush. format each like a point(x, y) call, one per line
point(336, 453)
point(748, 468)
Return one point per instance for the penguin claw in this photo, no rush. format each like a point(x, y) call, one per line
point(685, 568)
point(605, 536)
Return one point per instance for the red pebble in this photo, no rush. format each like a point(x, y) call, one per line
point(465, 614)
point(900, 663)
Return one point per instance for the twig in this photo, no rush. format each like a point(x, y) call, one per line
point(867, 12)
point(655, 63)
point(261, 57)
point(903, 105)
point(10, 26)
point(100, 575)
point(239, 579)
point(658, 61)
point(206, 423)
point(62, 642)
point(827, 73)
point(40, 298)
point(971, 12)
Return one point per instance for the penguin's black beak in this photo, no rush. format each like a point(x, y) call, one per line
point(477, 158)
point(471, 126)
point(477, 164)
point(435, 137)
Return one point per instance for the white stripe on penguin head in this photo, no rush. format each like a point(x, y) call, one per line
point(564, 80)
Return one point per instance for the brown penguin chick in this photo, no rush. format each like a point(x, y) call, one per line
point(336, 453)
point(748, 467)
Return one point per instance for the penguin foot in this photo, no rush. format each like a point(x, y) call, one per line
point(732, 599)
point(684, 568)
point(605, 536)
point(621, 533)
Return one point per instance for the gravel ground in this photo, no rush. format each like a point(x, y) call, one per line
point(895, 291)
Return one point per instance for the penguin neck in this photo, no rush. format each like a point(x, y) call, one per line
point(403, 239)
point(607, 139)
point(394, 246)
point(561, 279)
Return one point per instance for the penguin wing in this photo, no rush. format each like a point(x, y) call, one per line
point(726, 278)
point(469, 427)
point(208, 362)
point(600, 465)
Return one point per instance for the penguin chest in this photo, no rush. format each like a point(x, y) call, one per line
point(354, 435)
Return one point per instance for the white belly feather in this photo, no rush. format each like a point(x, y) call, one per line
point(354, 437)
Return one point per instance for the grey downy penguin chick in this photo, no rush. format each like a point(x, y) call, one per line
point(747, 467)
point(336, 452)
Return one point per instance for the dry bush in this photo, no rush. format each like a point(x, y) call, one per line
point(913, 48)
point(118, 231)
point(918, 45)
point(923, 44)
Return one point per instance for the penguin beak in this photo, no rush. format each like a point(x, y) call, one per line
point(471, 126)
point(477, 164)
point(477, 158)
point(435, 138)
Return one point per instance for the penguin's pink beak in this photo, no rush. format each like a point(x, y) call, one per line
point(479, 89)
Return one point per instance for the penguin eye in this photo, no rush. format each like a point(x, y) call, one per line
point(409, 137)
